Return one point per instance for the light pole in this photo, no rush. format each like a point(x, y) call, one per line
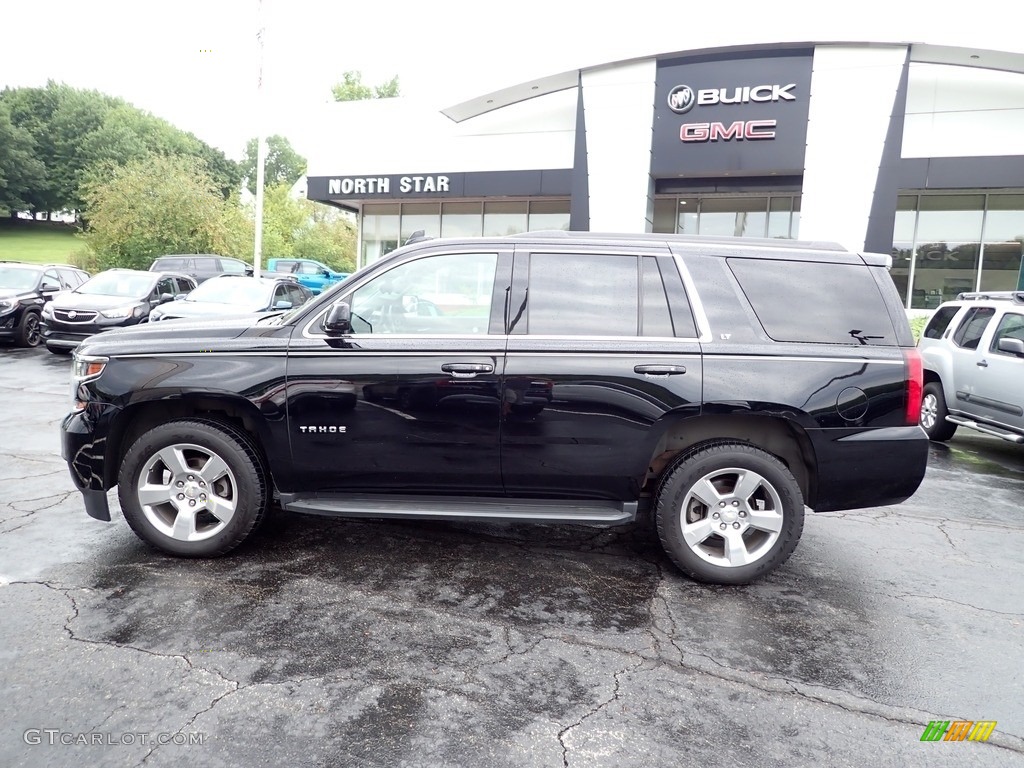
point(261, 148)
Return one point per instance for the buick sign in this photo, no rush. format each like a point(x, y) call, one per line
point(681, 99)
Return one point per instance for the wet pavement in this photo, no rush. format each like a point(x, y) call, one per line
point(327, 642)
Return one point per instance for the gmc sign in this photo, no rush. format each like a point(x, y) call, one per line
point(751, 130)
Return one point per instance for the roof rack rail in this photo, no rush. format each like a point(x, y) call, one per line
point(1017, 297)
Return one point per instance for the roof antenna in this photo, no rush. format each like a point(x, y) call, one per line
point(419, 234)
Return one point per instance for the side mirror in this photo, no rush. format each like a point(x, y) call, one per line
point(47, 287)
point(1013, 346)
point(325, 273)
point(282, 304)
point(339, 318)
point(165, 297)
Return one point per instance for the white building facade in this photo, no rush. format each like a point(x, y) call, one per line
point(908, 149)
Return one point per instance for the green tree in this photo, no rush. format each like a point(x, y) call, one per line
point(20, 170)
point(73, 131)
point(282, 165)
point(304, 229)
point(352, 88)
point(160, 204)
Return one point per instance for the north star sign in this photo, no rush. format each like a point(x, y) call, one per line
point(383, 185)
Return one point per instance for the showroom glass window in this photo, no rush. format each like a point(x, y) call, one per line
point(947, 243)
point(776, 216)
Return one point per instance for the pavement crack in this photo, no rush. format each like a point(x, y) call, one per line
point(562, 734)
point(957, 602)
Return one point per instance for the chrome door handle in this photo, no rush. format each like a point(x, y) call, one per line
point(467, 370)
point(982, 363)
point(660, 370)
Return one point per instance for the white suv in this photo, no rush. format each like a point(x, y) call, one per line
point(973, 354)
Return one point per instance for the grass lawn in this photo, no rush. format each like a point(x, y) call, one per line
point(39, 245)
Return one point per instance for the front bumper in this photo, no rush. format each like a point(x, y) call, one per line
point(85, 453)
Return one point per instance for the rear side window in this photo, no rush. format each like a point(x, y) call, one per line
point(815, 302)
point(574, 294)
point(583, 294)
point(168, 265)
point(939, 322)
point(973, 326)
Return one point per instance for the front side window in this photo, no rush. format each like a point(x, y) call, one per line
point(1010, 327)
point(443, 294)
point(973, 326)
point(232, 267)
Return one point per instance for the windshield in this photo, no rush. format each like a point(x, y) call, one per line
point(130, 285)
point(241, 292)
point(18, 278)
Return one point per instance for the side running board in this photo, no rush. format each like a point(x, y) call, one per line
point(585, 512)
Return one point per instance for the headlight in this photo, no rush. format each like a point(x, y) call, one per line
point(87, 367)
point(119, 313)
point(6, 305)
point(84, 368)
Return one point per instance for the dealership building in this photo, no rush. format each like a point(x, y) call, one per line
point(910, 149)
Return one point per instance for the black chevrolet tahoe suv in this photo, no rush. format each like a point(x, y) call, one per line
point(714, 386)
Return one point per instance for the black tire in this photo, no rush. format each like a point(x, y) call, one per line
point(28, 333)
point(765, 520)
point(219, 473)
point(934, 412)
point(58, 350)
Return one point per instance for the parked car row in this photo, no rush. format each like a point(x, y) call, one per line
point(60, 305)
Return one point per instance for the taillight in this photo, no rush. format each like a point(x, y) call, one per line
point(914, 385)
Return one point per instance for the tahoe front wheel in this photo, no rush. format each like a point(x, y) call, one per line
point(193, 487)
point(729, 513)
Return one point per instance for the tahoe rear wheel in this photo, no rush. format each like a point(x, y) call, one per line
point(933, 413)
point(729, 513)
point(194, 488)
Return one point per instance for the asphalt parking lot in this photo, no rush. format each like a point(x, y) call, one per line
point(361, 643)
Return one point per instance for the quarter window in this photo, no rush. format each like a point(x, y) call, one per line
point(939, 322)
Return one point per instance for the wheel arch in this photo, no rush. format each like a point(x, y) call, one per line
point(781, 437)
point(137, 418)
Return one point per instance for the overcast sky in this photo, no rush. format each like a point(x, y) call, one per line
point(195, 62)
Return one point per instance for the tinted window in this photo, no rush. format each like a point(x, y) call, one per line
point(168, 264)
point(815, 302)
point(296, 295)
point(184, 286)
point(284, 266)
point(939, 322)
point(969, 333)
point(443, 294)
point(574, 294)
point(1010, 327)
